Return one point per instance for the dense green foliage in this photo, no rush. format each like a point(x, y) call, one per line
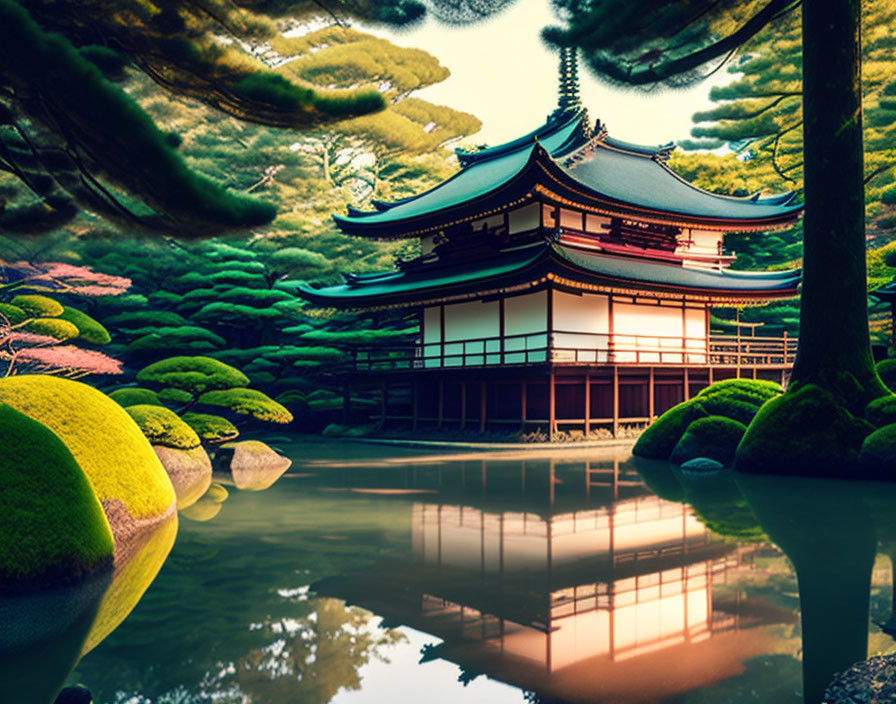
point(194, 375)
point(162, 426)
point(210, 428)
point(713, 437)
point(132, 396)
point(248, 402)
point(52, 527)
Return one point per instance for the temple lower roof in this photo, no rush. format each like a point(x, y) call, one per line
point(592, 171)
point(564, 267)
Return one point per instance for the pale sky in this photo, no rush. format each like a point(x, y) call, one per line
point(503, 73)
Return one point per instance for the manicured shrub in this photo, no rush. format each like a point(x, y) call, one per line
point(112, 452)
point(52, 527)
point(175, 395)
point(164, 427)
point(13, 314)
point(713, 437)
point(878, 453)
point(38, 306)
point(89, 329)
point(248, 402)
point(210, 428)
point(134, 396)
point(57, 328)
point(195, 375)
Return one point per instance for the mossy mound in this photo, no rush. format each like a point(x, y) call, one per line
point(109, 447)
point(13, 314)
point(162, 426)
point(175, 395)
point(660, 438)
point(135, 397)
point(195, 375)
point(190, 472)
point(877, 455)
point(737, 399)
point(89, 329)
point(251, 465)
point(38, 306)
point(248, 402)
point(804, 432)
point(52, 527)
point(881, 411)
point(337, 430)
point(211, 428)
point(886, 370)
point(715, 437)
point(57, 328)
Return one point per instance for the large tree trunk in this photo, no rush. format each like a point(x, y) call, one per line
point(834, 347)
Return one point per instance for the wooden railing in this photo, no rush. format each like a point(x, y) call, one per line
point(577, 348)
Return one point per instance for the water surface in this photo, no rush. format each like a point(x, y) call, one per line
point(375, 574)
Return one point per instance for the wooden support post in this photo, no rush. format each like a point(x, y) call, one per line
point(615, 401)
point(414, 395)
point(651, 394)
point(483, 391)
point(687, 385)
point(463, 405)
point(587, 402)
point(346, 403)
point(552, 409)
point(523, 390)
point(710, 376)
point(441, 402)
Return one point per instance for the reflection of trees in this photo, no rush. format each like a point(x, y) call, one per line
point(311, 658)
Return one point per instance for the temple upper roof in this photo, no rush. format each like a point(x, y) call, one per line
point(565, 267)
point(566, 161)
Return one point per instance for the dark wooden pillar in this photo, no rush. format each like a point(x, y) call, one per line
point(414, 405)
point(483, 393)
point(687, 385)
point(552, 409)
point(651, 394)
point(441, 402)
point(463, 405)
point(523, 390)
point(346, 403)
point(587, 402)
point(615, 400)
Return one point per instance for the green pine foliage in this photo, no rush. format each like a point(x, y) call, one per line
point(89, 329)
point(210, 428)
point(38, 306)
point(133, 396)
point(248, 402)
point(193, 375)
point(162, 426)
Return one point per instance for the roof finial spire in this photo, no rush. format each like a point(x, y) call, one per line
point(568, 96)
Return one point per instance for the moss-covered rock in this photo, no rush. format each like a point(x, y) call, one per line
point(195, 375)
point(134, 396)
point(877, 455)
point(804, 432)
point(38, 306)
point(13, 314)
point(116, 458)
point(57, 328)
point(162, 426)
point(886, 370)
point(738, 399)
point(248, 402)
point(881, 411)
point(715, 437)
point(251, 465)
point(660, 438)
point(211, 428)
point(190, 472)
point(89, 329)
point(52, 527)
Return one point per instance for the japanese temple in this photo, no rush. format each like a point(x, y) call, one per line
point(564, 281)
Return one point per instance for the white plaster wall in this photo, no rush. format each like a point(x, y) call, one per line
point(581, 327)
point(641, 332)
point(595, 223)
point(524, 219)
point(571, 219)
point(696, 332)
point(471, 321)
point(526, 315)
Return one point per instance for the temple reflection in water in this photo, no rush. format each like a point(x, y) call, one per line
point(576, 596)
